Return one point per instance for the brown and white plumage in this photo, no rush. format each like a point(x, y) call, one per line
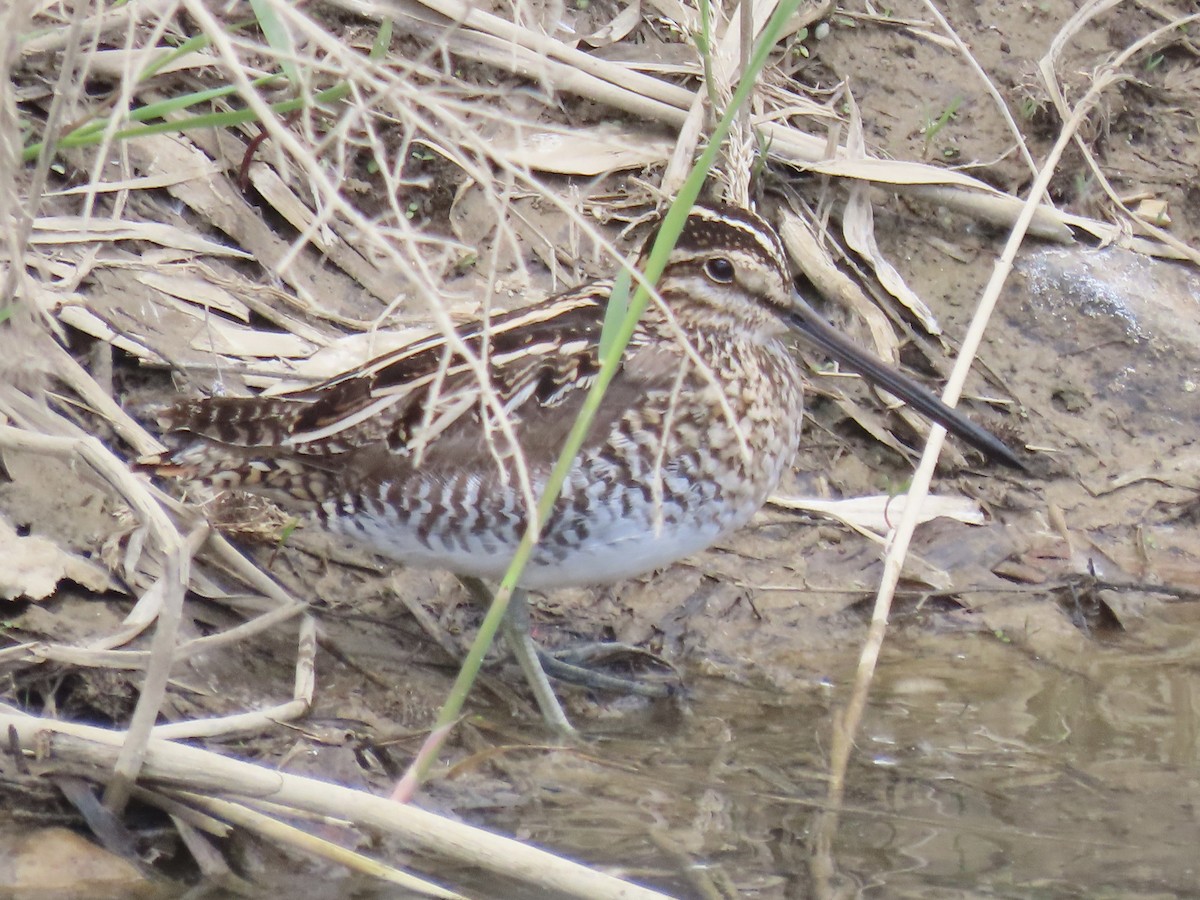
point(417, 457)
point(425, 461)
point(407, 453)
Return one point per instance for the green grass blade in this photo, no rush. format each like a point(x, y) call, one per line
point(668, 234)
point(279, 38)
point(382, 42)
point(88, 135)
point(191, 45)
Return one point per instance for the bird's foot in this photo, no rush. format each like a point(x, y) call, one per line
point(575, 665)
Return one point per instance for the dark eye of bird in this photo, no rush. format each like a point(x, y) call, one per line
point(719, 269)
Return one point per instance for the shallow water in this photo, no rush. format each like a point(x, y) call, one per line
point(978, 771)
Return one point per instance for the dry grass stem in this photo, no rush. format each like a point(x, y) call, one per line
point(391, 191)
point(290, 836)
point(785, 144)
point(1108, 77)
point(203, 772)
point(847, 726)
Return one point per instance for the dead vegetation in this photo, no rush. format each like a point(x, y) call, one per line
point(236, 198)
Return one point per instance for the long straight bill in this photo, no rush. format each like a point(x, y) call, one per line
point(841, 350)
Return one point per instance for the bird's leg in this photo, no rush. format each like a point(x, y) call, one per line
point(529, 656)
point(521, 644)
point(571, 664)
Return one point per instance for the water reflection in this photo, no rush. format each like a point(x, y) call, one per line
point(978, 767)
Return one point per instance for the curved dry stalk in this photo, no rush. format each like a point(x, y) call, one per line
point(171, 585)
point(516, 48)
point(100, 653)
point(286, 835)
point(1107, 78)
point(201, 771)
point(260, 720)
point(846, 724)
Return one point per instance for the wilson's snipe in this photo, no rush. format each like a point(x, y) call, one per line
point(410, 455)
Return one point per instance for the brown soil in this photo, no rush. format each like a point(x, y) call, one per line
point(1034, 717)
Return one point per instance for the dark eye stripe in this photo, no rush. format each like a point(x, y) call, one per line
point(709, 227)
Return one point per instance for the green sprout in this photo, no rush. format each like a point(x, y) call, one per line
point(933, 127)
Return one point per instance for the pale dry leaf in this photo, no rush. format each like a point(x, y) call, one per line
point(90, 324)
point(226, 338)
point(121, 63)
point(285, 201)
point(344, 354)
point(615, 29)
point(51, 230)
point(33, 567)
point(879, 513)
point(149, 182)
point(195, 290)
point(898, 172)
point(686, 17)
point(587, 152)
point(858, 228)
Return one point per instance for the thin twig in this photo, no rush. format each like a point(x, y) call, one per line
point(202, 771)
point(847, 721)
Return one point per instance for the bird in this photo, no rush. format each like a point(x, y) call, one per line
point(416, 456)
